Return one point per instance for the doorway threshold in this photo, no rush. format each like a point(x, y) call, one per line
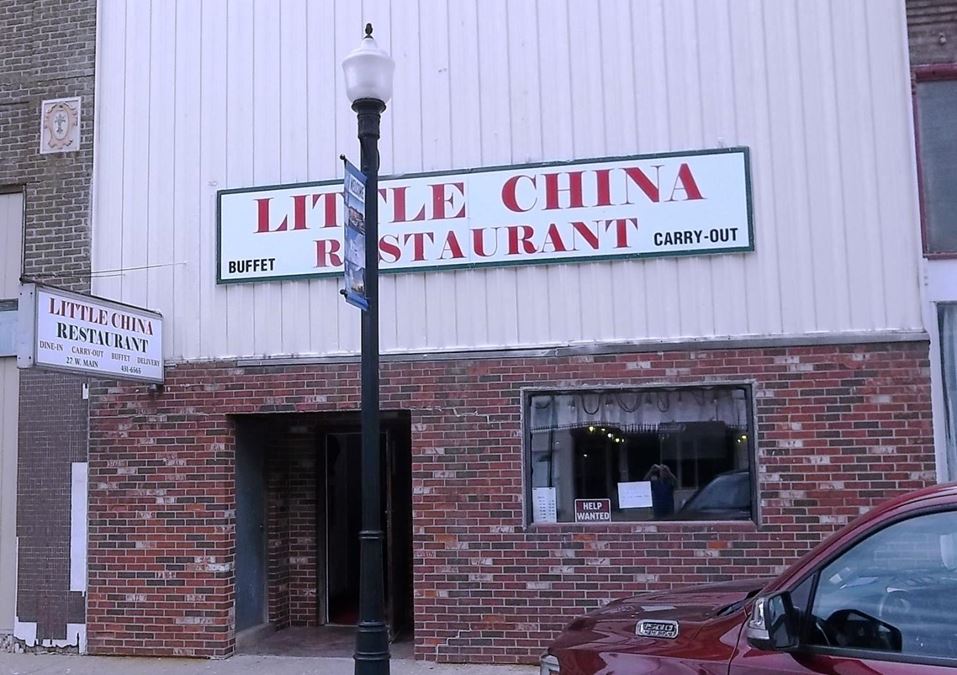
point(248, 638)
point(312, 641)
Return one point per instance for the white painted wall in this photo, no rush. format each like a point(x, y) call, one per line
point(11, 250)
point(9, 397)
point(198, 96)
point(78, 525)
point(11, 233)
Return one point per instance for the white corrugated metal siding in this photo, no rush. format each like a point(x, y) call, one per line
point(200, 96)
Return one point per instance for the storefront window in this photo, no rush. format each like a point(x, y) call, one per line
point(640, 454)
point(937, 146)
point(947, 314)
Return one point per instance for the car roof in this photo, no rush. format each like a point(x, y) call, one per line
point(943, 494)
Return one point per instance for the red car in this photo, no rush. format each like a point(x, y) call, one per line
point(879, 596)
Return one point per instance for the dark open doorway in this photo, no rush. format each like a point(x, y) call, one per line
point(342, 448)
point(343, 485)
point(299, 483)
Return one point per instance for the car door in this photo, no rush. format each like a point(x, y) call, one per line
point(886, 605)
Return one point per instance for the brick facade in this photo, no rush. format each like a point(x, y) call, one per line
point(291, 529)
point(47, 49)
point(839, 429)
point(53, 434)
point(932, 31)
point(277, 546)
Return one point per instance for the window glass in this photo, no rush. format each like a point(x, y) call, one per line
point(801, 595)
point(936, 102)
point(947, 316)
point(648, 454)
point(893, 592)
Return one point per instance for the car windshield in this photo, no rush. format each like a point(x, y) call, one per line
point(727, 491)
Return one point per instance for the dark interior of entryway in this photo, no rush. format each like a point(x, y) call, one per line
point(344, 508)
point(298, 489)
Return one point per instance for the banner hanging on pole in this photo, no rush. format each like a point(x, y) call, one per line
point(354, 215)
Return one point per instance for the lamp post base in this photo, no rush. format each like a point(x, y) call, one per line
point(372, 634)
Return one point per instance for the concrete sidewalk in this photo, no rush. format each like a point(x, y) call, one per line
point(48, 664)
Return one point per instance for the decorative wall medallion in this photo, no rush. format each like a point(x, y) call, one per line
point(60, 125)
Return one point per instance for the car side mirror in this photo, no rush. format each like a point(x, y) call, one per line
point(773, 624)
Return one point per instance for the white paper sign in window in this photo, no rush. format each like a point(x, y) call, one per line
point(543, 503)
point(634, 495)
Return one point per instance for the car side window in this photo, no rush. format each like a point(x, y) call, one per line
point(893, 592)
point(801, 595)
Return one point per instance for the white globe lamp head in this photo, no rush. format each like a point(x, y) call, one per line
point(368, 71)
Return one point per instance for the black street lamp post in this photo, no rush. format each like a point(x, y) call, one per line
point(368, 74)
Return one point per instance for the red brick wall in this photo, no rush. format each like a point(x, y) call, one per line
point(302, 533)
point(277, 534)
point(840, 428)
point(291, 525)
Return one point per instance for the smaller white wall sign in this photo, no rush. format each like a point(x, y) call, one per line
point(60, 125)
point(71, 332)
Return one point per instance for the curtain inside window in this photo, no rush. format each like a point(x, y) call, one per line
point(639, 409)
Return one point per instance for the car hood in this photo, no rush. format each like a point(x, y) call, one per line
point(709, 618)
point(693, 604)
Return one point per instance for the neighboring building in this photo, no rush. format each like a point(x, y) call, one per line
point(46, 162)
point(796, 371)
point(932, 28)
point(11, 228)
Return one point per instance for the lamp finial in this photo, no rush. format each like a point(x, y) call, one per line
point(369, 30)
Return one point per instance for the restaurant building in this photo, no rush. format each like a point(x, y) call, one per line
point(651, 310)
